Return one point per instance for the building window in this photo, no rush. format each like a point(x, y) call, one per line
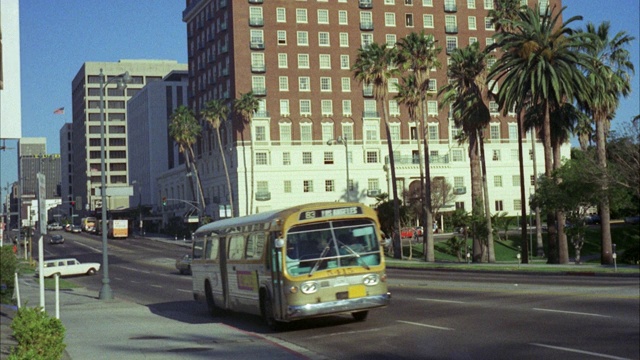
point(494, 131)
point(495, 155)
point(329, 186)
point(427, 19)
point(325, 83)
point(346, 108)
point(394, 109)
point(342, 17)
point(344, 39)
point(283, 61)
point(366, 40)
point(432, 107)
point(305, 107)
point(301, 16)
point(287, 186)
point(452, 43)
point(325, 61)
point(515, 180)
point(346, 84)
point(488, 4)
point(471, 4)
point(307, 158)
point(303, 61)
point(433, 85)
point(326, 107)
point(344, 62)
point(261, 158)
point(457, 155)
point(427, 3)
point(286, 158)
point(323, 16)
point(328, 158)
point(304, 83)
point(517, 205)
point(389, 19)
point(372, 157)
point(284, 111)
point(499, 206)
point(472, 23)
point(323, 39)
point(391, 40)
point(307, 186)
point(408, 20)
point(283, 82)
point(513, 132)
point(303, 38)
point(282, 37)
point(497, 181)
point(281, 15)
point(488, 24)
point(433, 132)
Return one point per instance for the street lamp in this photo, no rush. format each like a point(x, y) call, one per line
point(121, 81)
point(343, 141)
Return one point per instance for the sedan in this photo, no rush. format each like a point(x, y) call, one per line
point(76, 229)
point(56, 239)
point(183, 264)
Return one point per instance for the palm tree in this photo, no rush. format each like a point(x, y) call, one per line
point(541, 61)
point(185, 130)
point(246, 106)
point(465, 94)
point(419, 54)
point(373, 67)
point(215, 114)
point(503, 14)
point(608, 74)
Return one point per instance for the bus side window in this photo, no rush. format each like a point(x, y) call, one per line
point(255, 245)
point(211, 252)
point(198, 248)
point(236, 247)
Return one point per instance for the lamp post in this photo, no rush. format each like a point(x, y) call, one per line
point(121, 81)
point(343, 141)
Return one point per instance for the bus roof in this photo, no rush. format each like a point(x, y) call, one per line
point(270, 215)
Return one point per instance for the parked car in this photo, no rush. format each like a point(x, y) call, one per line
point(76, 229)
point(68, 267)
point(56, 239)
point(632, 219)
point(592, 219)
point(54, 226)
point(183, 264)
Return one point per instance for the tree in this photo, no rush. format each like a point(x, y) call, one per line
point(542, 62)
point(215, 114)
point(419, 54)
point(609, 75)
point(246, 106)
point(465, 94)
point(373, 68)
point(185, 130)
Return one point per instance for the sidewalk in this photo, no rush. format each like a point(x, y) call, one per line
point(117, 329)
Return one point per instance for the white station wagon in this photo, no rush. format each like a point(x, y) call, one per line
point(68, 267)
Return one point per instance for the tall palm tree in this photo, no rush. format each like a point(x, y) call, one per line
point(609, 77)
point(215, 114)
point(185, 130)
point(503, 14)
point(373, 67)
point(419, 54)
point(465, 94)
point(246, 106)
point(542, 61)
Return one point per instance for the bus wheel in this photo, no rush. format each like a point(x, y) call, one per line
point(267, 314)
point(360, 315)
point(211, 305)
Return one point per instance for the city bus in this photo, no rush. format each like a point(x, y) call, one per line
point(284, 265)
point(89, 224)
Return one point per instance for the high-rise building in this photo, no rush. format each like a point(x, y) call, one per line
point(33, 159)
point(86, 137)
point(318, 134)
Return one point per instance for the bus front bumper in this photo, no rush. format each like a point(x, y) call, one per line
point(339, 306)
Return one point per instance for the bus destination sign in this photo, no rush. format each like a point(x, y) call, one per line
point(324, 213)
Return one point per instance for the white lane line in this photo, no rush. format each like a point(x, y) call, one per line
point(156, 286)
point(442, 301)
point(186, 291)
point(425, 325)
point(88, 246)
point(572, 312)
point(343, 333)
point(580, 351)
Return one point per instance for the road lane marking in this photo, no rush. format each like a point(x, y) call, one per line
point(580, 351)
point(442, 301)
point(572, 312)
point(88, 246)
point(428, 326)
point(186, 291)
point(343, 333)
point(156, 286)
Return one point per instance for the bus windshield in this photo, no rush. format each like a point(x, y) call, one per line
point(330, 245)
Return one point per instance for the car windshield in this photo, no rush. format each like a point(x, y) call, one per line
point(331, 245)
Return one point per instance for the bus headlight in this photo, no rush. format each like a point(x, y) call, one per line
point(371, 279)
point(309, 287)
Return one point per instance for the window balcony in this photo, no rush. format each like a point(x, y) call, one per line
point(461, 190)
point(258, 68)
point(450, 8)
point(255, 45)
point(374, 192)
point(256, 22)
point(370, 114)
point(263, 195)
point(259, 91)
point(365, 4)
point(366, 25)
point(255, 1)
point(451, 29)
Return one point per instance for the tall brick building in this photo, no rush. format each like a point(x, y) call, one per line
point(296, 57)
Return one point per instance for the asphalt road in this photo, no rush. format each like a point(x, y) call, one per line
point(434, 314)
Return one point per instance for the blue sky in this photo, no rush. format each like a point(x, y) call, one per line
point(57, 37)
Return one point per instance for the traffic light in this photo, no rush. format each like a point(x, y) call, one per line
point(164, 201)
point(73, 203)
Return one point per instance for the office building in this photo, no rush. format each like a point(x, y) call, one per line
point(86, 137)
point(296, 57)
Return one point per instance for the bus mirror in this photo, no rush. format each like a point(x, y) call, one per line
point(279, 243)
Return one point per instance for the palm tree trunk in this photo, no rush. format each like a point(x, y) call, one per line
point(200, 195)
point(428, 243)
point(394, 186)
point(226, 171)
point(487, 208)
point(523, 199)
point(548, 168)
point(476, 193)
point(539, 243)
point(563, 248)
point(606, 252)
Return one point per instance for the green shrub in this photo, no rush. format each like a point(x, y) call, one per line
point(8, 263)
point(39, 336)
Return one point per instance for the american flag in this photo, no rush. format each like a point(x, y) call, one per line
point(59, 111)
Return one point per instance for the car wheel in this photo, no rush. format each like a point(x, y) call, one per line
point(91, 271)
point(360, 315)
